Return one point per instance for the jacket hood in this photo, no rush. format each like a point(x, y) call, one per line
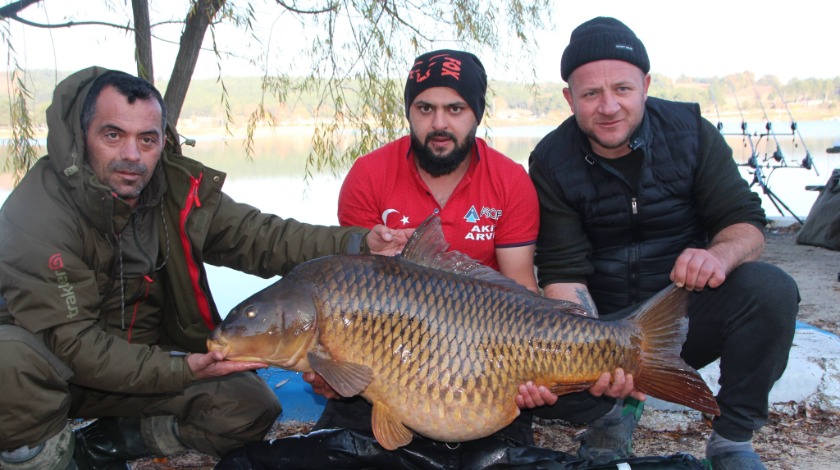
point(66, 150)
point(65, 139)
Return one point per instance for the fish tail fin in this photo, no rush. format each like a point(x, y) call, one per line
point(663, 374)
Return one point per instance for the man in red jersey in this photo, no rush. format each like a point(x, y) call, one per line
point(487, 205)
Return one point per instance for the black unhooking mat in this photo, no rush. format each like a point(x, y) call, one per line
point(822, 226)
point(350, 449)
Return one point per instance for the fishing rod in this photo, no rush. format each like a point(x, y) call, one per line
point(778, 155)
point(759, 177)
point(717, 111)
point(752, 162)
point(806, 162)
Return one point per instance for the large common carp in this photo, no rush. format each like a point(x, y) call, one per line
point(439, 343)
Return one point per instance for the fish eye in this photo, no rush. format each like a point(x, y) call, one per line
point(251, 313)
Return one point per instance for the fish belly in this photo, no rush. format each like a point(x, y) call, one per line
point(445, 413)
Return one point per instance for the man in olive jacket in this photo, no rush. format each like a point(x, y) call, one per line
point(107, 309)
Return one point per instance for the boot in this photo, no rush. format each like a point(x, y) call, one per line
point(726, 454)
point(109, 443)
point(160, 433)
point(56, 453)
point(610, 437)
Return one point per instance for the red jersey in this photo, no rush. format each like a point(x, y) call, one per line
point(494, 205)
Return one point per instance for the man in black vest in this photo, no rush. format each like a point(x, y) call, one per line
point(636, 193)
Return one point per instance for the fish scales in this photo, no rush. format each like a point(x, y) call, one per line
point(494, 335)
point(440, 344)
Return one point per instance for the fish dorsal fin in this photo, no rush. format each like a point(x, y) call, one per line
point(389, 432)
point(427, 247)
point(346, 378)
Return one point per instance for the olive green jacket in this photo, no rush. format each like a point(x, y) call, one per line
point(60, 255)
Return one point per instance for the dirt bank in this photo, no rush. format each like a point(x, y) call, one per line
point(816, 271)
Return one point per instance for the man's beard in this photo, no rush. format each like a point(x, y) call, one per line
point(439, 165)
point(126, 166)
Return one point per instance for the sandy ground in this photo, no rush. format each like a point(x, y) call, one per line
point(817, 272)
point(795, 438)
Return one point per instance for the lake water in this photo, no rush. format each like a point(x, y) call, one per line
point(274, 180)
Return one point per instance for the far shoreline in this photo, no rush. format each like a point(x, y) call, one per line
point(506, 120)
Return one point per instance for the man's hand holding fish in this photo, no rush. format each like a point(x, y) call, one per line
point(213, 364)
point(382, 240)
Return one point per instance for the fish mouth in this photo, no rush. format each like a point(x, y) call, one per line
point(218, 344)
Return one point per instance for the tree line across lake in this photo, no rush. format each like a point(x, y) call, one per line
point(740, 96)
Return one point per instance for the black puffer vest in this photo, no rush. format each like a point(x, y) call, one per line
point(636, 232)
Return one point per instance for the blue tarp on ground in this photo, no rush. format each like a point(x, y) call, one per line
point(299, 402)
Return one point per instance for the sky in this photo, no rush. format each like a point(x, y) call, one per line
point(720, 37)
point(697, 39)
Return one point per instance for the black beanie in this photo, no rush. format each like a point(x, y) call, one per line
point(603, 38)
point(458, 70)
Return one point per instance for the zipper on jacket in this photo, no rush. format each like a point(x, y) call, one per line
point(634, 248)
point(633, 287)
point(139, 302)
point(193, 270)
point(635, 256)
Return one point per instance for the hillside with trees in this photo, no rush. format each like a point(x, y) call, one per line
point(721, 98)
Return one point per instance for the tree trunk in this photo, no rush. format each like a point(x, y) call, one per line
point(143, 40)
point(11, 10)
point(198, 19)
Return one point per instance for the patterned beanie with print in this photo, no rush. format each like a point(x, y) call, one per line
point(459, 70)
point(603, 38)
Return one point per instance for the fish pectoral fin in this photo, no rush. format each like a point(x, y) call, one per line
point(389, 432)
point(346, 378)
point(565, 388)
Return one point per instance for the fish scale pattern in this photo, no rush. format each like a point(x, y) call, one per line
point(452, 349)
